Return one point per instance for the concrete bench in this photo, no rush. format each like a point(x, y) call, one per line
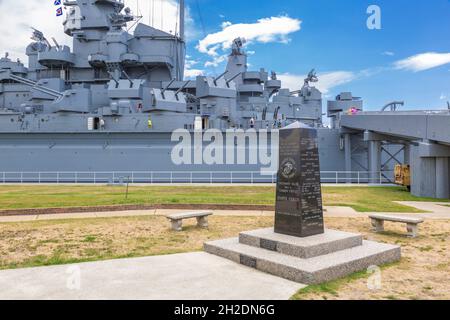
point(177, 219)
point(412, 224)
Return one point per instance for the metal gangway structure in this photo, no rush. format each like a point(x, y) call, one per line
point(425, 136)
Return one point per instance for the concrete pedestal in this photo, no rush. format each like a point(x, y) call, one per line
point(311, 260)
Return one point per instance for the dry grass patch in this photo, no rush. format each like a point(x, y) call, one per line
point(423, 272)
point(29, 244)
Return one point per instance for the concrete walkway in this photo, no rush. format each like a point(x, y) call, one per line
point(192, 276)
point(131, 213)
point(437, 210)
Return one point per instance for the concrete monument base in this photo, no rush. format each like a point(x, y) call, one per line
point(311, 260)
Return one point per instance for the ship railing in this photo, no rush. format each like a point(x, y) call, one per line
point(185, 177)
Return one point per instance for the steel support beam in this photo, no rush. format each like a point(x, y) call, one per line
point(348, 156)
point(407, 154)
point(423, 174)
point(391, 156)
point(375, 161)
point(442, 178)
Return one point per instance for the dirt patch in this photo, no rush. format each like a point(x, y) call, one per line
point(65, 241)
point(423, 272)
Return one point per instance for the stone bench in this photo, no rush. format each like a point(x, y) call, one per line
point(412, 224)
point(177, 219)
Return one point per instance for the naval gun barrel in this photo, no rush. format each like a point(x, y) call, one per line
point(183, 87)
point(234, 77)
point(128, 78)
point(163, 91)
point(168, 86)
point(55, 94)
point(220, 77)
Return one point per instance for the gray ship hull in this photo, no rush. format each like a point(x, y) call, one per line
point(147, 155)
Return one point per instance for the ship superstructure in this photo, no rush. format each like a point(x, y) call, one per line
point(112, 101)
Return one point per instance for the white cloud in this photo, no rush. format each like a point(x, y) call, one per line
point(17, 19)
point(274, 29)
point(388, 53)
point(443, 97)
point(423, 61)
point(216, 61)
point(192, 73)
point(189, 63)
point(327, 81)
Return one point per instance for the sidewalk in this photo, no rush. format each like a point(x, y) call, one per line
point(189, 276)
point(437, 211)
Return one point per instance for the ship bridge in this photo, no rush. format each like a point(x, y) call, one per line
point(425, 135)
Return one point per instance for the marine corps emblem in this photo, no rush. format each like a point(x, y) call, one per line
point(288, 168)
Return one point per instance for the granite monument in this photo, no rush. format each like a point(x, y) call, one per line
point(299, 210)
point(299, 248)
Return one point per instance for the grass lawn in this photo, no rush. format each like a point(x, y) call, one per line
point(421, 274)
point(41, 243)
point(362, 199)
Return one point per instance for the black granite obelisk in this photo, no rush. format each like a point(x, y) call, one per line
point(299, 210)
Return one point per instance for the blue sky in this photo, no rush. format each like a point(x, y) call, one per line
point(408, 59)
point(334, 38)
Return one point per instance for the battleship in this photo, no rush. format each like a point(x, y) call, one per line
point(116, 105)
